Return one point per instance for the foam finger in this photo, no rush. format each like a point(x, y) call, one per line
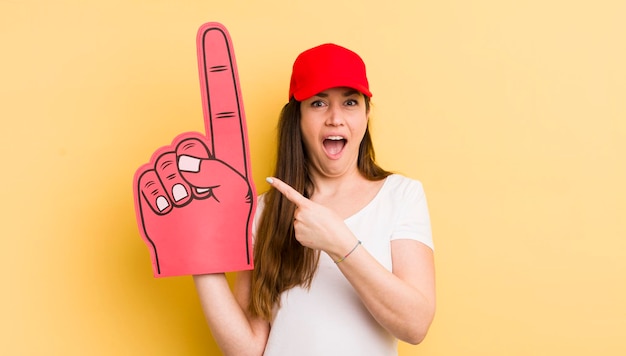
point(178, 191)
point(221, 97)
point(189, 153)
point(153, 192)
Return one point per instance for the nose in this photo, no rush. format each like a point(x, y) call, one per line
point(335, 116)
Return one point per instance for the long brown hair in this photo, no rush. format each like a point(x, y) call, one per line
point(281, 262)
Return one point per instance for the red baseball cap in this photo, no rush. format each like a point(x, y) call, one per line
point(324, 67)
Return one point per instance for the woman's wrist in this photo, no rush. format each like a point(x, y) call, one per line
point(349, 252)
point(343, 249)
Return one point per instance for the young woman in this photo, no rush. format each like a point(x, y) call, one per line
point(343, 249)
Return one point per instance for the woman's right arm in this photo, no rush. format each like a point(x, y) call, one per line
point(234, 330)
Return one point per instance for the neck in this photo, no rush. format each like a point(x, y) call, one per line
point(324, 185)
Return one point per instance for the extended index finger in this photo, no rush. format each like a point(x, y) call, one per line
point(222, 105)
point(285, 189)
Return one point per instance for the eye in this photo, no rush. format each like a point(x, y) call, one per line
point(352, 102)
point(317, 103)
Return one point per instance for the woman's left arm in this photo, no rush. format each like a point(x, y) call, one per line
point(402, 301)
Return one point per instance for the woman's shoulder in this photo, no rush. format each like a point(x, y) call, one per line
point(260, 201)
point(401, 183)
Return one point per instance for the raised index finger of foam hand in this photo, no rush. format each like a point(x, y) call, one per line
point(224, 116)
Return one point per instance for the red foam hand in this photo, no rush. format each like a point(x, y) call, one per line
point(195, 199)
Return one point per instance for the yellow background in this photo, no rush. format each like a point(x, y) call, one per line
point(512, 114)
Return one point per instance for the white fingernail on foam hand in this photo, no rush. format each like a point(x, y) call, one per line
point(179, 192)
point(189, 164)
point(162, 203)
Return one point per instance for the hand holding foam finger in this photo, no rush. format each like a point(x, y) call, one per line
point(195, 200)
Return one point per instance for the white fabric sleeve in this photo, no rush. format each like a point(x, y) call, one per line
point(414, 220)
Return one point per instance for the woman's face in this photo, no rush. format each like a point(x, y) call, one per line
point(333, 124)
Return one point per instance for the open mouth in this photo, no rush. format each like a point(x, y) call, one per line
point(334, 144)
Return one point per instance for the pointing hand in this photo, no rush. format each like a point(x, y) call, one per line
point(316, 226)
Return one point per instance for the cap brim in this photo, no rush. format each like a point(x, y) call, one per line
point(311, 90)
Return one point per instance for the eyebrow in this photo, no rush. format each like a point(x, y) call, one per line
point(347, 93)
